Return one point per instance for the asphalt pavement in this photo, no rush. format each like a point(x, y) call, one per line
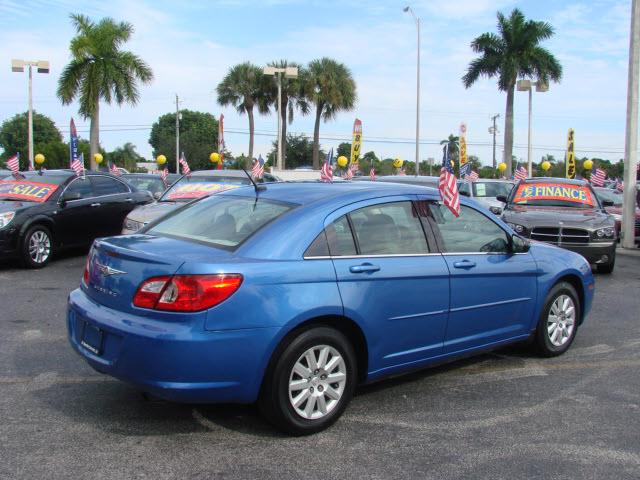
point(502, 415)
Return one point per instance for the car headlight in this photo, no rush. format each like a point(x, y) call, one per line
point(607, 232)
point(496, 210)
point(517, 228)
point(5, 218)
point(132, 225)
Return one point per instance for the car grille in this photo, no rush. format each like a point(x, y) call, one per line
point(558, 235)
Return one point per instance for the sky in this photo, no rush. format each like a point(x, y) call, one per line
point(191, 45)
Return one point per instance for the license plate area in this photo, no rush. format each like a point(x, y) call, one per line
point(92, 338)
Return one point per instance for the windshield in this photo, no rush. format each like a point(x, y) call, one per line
point(611, 195)
point(189, 188)
point(26, 190)
point(491, 189)
point(223, 221)
point(554, 195)
point(152, 184)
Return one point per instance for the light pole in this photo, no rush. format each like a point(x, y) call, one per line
point(43, 67)
point(493, 131)
point(289, 72)
point(527, 85)
point(417, 20)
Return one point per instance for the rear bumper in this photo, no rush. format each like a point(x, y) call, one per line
point(174, 361)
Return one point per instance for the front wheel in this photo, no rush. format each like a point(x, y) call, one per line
point(37, 247)
point(559, 320)
point(310, 382)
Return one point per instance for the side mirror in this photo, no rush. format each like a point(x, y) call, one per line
point(466, 194)
point(69, 196)
point(157, 195)
point(607, 203)
point(519, 244)
point(502, 198)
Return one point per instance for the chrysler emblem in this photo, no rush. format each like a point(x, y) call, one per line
point(106, 270)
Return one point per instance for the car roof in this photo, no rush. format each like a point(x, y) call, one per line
point(219, 173)
point(408, 179)
point(143, 175)
point(493, 180)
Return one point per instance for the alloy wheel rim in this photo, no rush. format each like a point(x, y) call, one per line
point(561, 320)
point(39, 247)
point(317, 382)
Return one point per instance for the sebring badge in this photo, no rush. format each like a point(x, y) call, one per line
point(106, 270)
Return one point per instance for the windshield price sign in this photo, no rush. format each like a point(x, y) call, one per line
point(29, 191)
point(197, 190)
point(527, 193)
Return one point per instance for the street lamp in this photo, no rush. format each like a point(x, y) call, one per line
point(18, 67)
point(289, 72)
point(527, 85)
point(417, 20)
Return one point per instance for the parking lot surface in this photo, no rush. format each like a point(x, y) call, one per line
point(506, 414)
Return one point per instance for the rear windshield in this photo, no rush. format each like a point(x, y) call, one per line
point(491, 189)
point(611, 195)
point(189, 188)
point(26, 190)
point(222, 221)
point(554, 195)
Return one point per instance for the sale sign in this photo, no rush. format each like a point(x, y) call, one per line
point(532, 192)
point(29, 191)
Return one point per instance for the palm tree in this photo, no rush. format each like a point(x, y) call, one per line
point(454, 146)
point(100, 70)
point(331, 88)
point(291, 96)
point(514, 52)
point(245, 87)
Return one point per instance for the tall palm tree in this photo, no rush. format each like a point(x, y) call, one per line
point(100, 70)
point(512, 53)
point(330, 87)
point(454, 146)
point(245, 87)
point(292, 97)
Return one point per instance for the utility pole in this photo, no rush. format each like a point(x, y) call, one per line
point(177, 135)
point(631, 137)
point(494, 130)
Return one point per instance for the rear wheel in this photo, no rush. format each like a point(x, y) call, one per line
point(37, 247)
point(558, 322)
point(310, 382)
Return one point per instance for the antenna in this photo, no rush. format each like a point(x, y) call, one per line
point(258, 188)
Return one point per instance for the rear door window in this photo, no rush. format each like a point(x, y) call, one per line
point(107, 186)
point(81, 185)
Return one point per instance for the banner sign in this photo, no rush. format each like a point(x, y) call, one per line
point(221, 141)
point(357, 142)
point(29, 191)
point(553, 191)
point(73, 143)
point(197, 190)
point(465, 169)
point(571, 157)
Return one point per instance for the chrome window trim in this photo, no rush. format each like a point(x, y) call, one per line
point(95, 196)
point(390, 255)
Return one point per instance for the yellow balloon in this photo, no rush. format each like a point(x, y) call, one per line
point(342, 161)
point(214, 157)
point(546, 165)
point(39, 158)
point(397, 163)
point(588, 164)
point(161, 159)
point(98, 158)
point(502, 167)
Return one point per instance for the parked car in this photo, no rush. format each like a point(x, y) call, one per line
point(566, 213)
point(611, 199)
point(198, 184)
point(486, 191)
point(422, 180)
point(151, 182)
point(42, 213)
point(293, 295)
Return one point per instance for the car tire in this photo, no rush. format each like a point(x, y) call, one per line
point(302, 406)
point(608, 267)
point(36, 247)
point(558, 321)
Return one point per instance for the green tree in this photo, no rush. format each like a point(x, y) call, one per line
point(245, 87)
point(513, 53)
point(47, 139)
point(100, 70)
point(300, 150)
point(330, 87)
point(198, 138)
point(125, 156)
point(453, 142)
point(344, 149)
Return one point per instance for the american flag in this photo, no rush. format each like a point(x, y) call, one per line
point(447, 184)
point(598, 177)
point(14, 164)
point(520, 174)
point(372, 174)
point(351, 170)
point(185, 166)
point(402, 171)
point(77, 165)
point(473, 176)
point(326, 172)
point(164, 174)
point(619, 185)
point(258, 168)
point(114, 170)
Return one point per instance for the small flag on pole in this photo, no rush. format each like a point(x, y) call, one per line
point(473, 176)
point(372, 174)
point(114, 170)
point(258, 167)
point(619, 185)
point(598, 177)
point(164, 174)
point(447, 184)
point(185, 166)
point(14, 164)
point(521, 174)
point(326, 172)
point(77, 165)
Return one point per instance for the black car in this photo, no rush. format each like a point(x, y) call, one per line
point(41, 213)
point(151, 182)
point(566, 213)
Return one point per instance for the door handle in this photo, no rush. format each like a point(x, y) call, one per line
point(364, 268)
point(96, 204)
point(464, 264)
point(129, 200)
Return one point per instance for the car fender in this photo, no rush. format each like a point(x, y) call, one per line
point(39, 219)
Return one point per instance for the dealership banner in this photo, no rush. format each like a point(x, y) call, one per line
point(357, 142)
point(465, 167)
point(571, 157)
point(221, 141)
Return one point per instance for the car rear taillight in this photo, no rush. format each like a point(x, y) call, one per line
point(186, 293)
point(85, 274)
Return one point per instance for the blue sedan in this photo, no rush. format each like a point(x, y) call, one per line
point(293, 294)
